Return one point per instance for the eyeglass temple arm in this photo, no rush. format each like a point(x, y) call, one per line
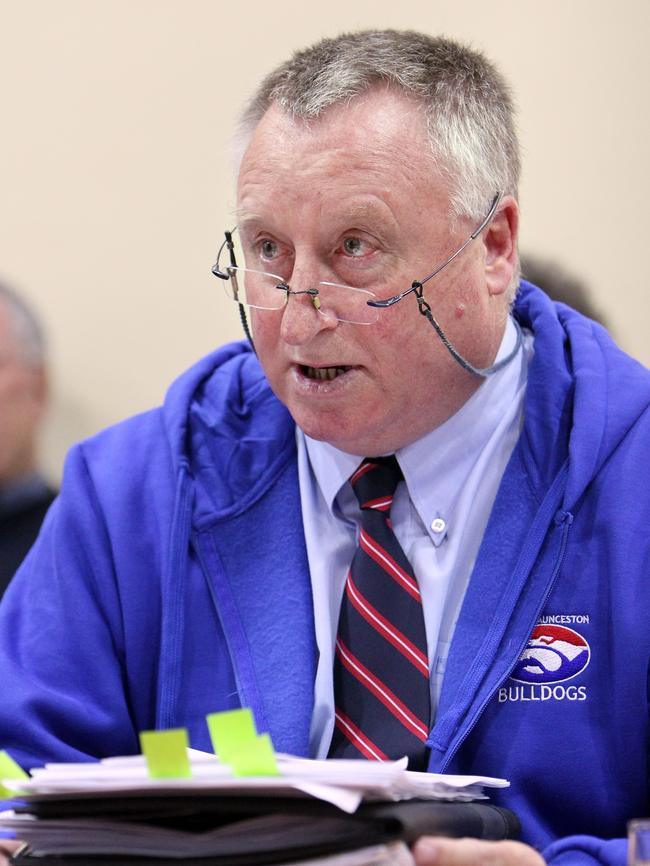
point(417, 284)
point(228, 243)
point(216, 270)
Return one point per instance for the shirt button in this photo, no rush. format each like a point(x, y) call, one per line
point(438, 525)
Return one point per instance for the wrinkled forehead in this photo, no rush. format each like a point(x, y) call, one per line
point(379, 105)
point(379, 117)
point(379, 138)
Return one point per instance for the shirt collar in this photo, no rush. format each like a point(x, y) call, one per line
point(439, 459)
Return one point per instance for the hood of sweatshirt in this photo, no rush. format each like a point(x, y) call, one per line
point(582, 397)
point(227, 432)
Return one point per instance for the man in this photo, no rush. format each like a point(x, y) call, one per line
point(24, 495)
point(217, 552)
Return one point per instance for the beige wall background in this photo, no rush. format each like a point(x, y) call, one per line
point(115, 178)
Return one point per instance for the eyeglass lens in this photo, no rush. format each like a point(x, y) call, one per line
point(263, 291)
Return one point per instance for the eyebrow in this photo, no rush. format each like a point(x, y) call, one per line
point(243, 216)
point(368, 211)
point(365, 211)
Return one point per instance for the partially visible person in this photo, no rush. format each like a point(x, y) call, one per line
point(25, 496)
point(560, 285)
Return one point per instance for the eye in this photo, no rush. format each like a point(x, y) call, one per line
point(353, 246)
point(265, 253)
point(268, 249)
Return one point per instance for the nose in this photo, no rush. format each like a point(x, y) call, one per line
point(301, 321)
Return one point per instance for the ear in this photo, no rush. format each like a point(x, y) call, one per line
point(500, 244)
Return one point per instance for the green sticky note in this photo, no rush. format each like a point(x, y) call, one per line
point(255, 758)
point(166, 753)
point(9, 769)
point(229, 731)
point(235, 742)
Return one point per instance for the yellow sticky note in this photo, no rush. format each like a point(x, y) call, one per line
point(9, 769)
point(229, 731)
point(235, 742)
point(166, 753)
point(255, 758)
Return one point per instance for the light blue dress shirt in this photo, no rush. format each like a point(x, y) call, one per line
point(439, 514)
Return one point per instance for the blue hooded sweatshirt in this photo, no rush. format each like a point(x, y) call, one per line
point(171, 580)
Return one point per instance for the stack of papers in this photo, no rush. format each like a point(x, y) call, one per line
point(343, 783)
point(344, 813)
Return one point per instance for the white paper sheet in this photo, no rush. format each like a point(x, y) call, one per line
point(343, 783)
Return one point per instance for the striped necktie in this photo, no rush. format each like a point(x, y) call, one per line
point(381, 670)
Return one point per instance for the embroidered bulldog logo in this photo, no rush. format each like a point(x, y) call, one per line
point(553, 654)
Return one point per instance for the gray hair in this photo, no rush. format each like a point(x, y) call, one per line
point(467, 103)
point(25, 326)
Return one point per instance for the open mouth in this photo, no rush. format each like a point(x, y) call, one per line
point(323, 374)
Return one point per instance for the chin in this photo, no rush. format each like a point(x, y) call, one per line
point(332, 430)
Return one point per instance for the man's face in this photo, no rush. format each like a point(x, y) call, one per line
point(22, 402)
point(354, 198)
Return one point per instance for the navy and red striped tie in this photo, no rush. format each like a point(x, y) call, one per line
point(381, 670)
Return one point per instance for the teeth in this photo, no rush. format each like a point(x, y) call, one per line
point(324, 373)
